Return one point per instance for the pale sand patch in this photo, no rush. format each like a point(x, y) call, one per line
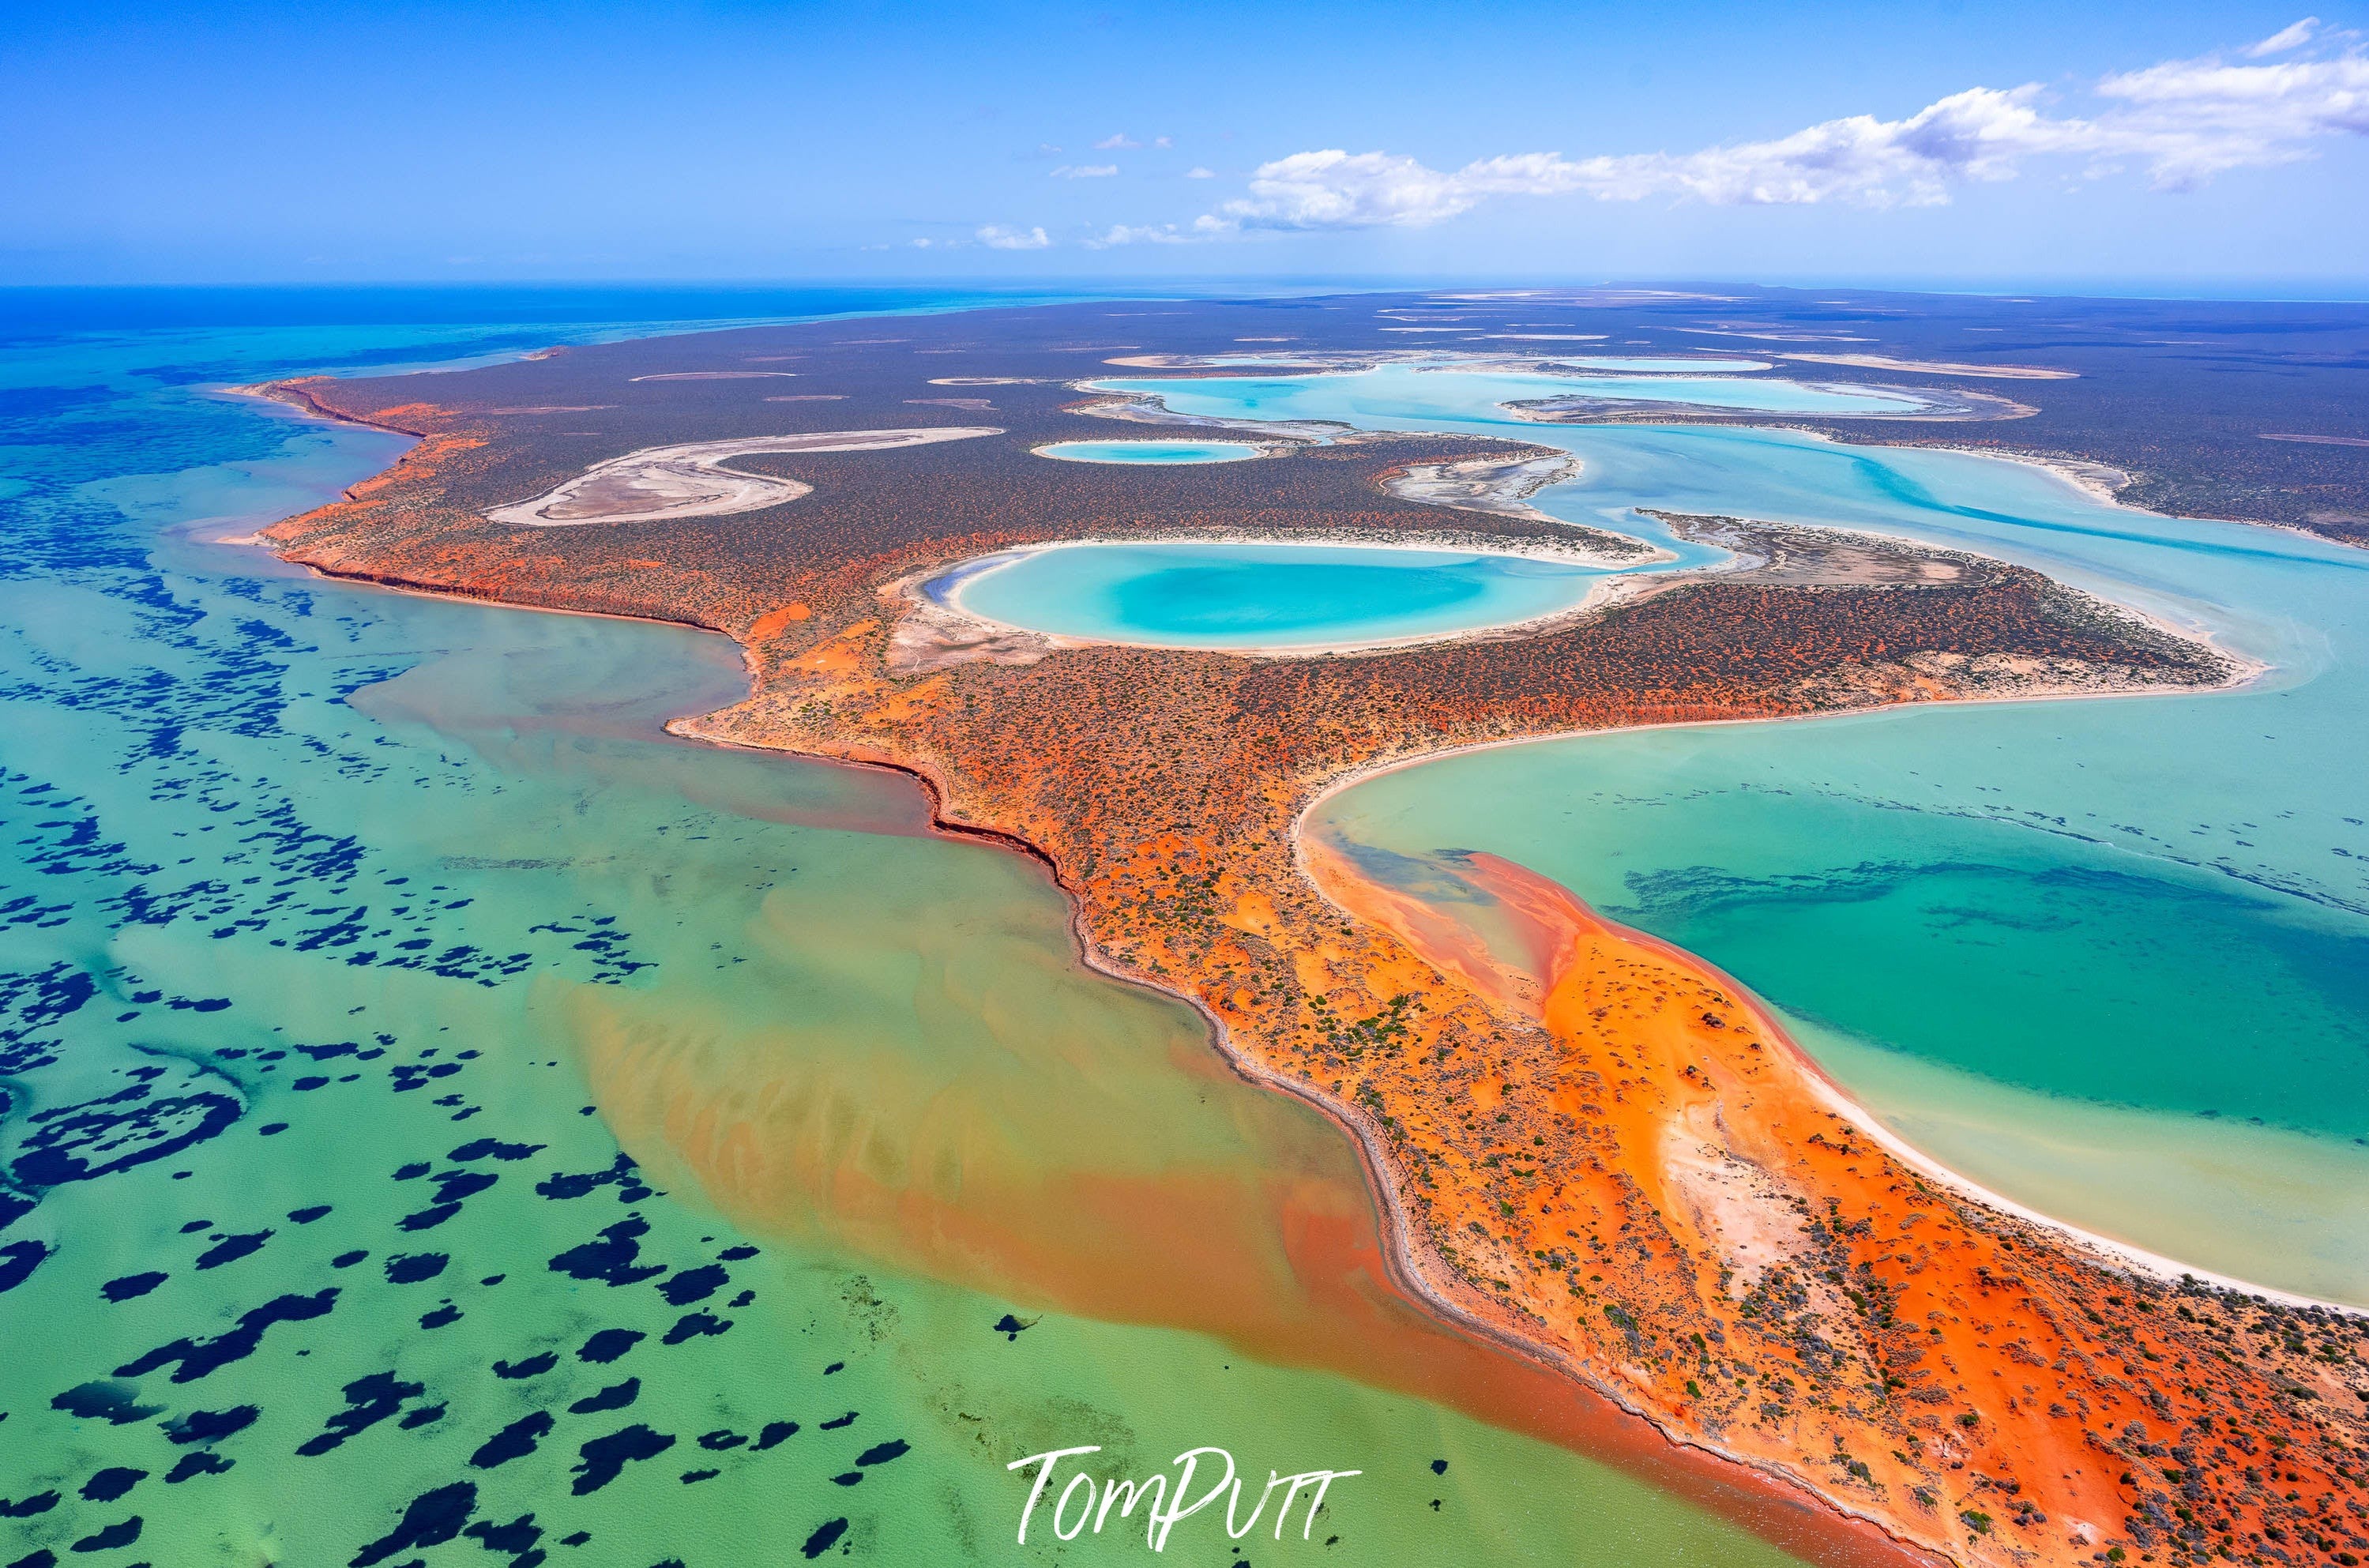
point(662, 483)
point(2317, 441)
point(1740, 1206)
point(1161, 361)
point(1939, 367)
point(2101, 482)
point(711, 375)
point(1776, 336)
point(1504, 486)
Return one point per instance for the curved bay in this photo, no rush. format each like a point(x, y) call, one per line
point(2103, 957)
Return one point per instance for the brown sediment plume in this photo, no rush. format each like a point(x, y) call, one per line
point(1090, 1211)
point(1587, 1148)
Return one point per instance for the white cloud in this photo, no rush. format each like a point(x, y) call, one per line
point(995, 236)
point(1047, 149)
point(1198, 172)
point(1085, 171)
point(1138, 234)
point(2194, 118)
point(1118, 142)
point(1349, 190)
point(2294, 35)
point(1163, 141)
point(2183, 121)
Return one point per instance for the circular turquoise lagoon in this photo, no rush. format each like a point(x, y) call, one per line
point(1246, 596)
point(1149, 452)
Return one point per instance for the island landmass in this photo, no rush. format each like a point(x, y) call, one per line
point(1590, 1149)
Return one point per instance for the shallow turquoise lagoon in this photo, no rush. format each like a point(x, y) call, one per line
point(1381, 397)
point(2103, 957)
point(1149, 452)
point(1266, 596)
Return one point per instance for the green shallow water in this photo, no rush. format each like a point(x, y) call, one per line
point(370, 972)
point(2159, 1052)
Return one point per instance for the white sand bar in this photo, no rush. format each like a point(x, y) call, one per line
point(662, 483)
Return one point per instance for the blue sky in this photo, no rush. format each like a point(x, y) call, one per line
point(334, 142)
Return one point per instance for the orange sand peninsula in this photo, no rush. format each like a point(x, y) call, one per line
point(1600, 1151)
